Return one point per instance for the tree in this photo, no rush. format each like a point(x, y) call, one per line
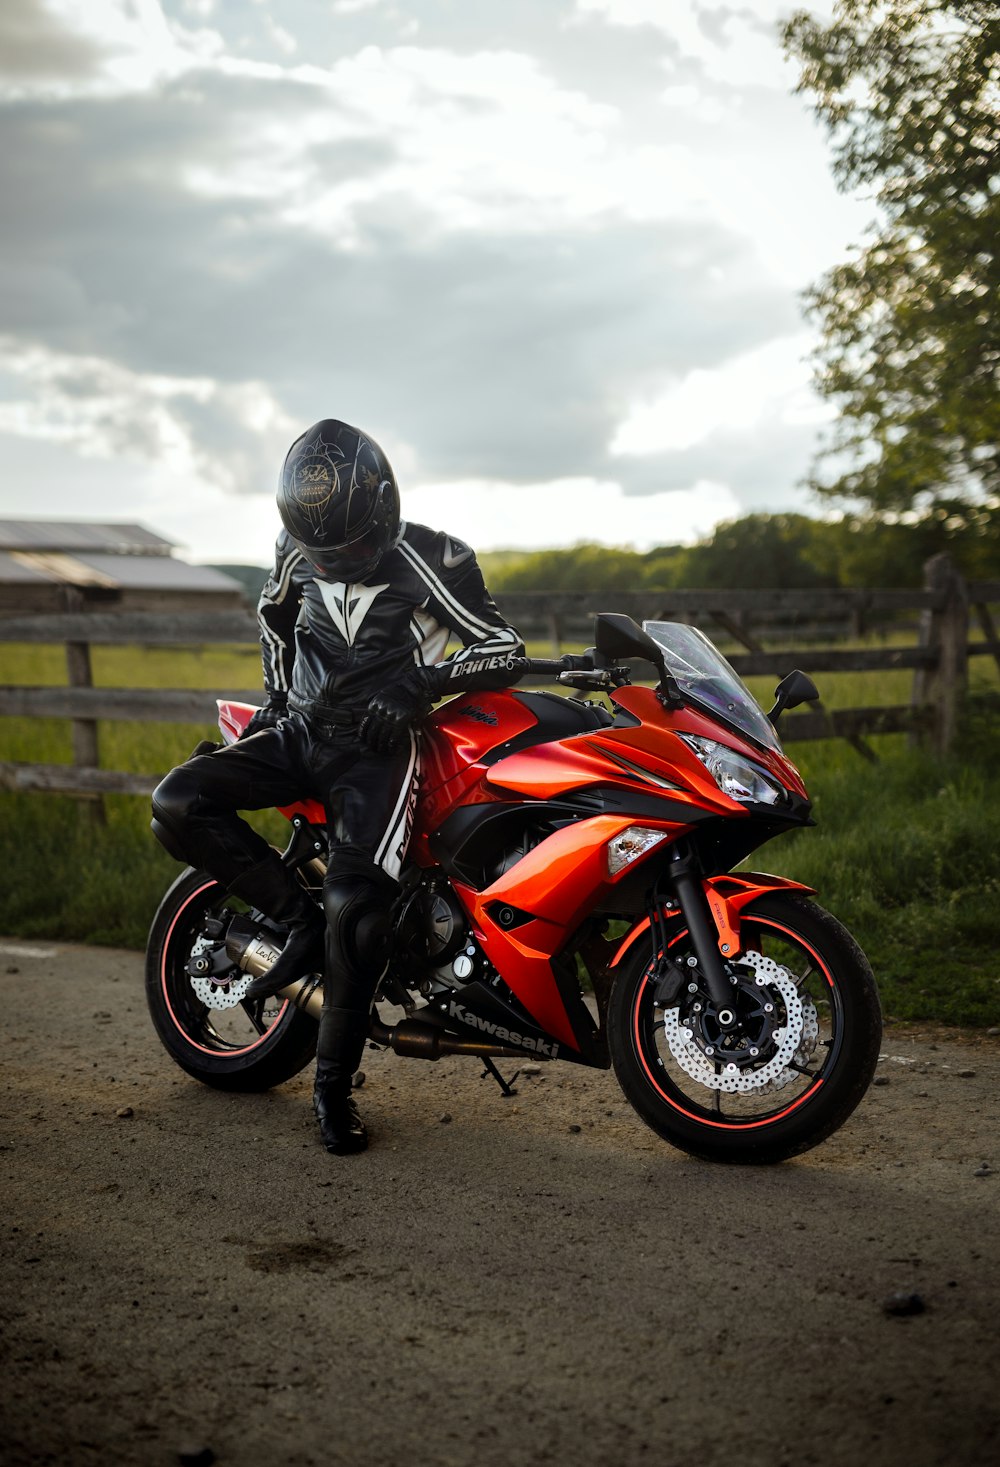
point(910, 93)
point(584, 567)
point(763, 550)
point(873, 552)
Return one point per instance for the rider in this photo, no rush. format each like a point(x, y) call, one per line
point(354, 622)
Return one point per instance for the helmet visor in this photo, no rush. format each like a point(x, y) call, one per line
point(352, 561)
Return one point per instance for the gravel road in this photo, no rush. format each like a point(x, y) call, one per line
point(187, 1276)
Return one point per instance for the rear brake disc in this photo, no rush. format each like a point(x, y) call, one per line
point(220, 985)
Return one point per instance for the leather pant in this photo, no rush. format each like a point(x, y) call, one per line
point(368, 801)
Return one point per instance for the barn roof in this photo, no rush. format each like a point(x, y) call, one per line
point(99, 559)
point(75, 537)
point(161, 573)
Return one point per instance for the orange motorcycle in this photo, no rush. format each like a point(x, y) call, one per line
point(563, 841)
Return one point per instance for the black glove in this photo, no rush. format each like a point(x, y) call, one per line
point(393, 711)
point(274, 709)
point(205, 746)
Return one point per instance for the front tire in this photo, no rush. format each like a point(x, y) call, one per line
point(201, 1022)
point(813, 1052)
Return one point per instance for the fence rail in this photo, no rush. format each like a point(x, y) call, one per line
point(938, 659)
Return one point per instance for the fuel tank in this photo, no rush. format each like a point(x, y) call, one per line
point(457, 735)
point(465, 736)
point(454, 740)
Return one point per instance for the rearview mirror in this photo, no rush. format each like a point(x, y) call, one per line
point(617, 635)
point(798, 687)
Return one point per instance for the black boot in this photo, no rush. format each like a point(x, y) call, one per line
point(272, 889)
point(342, 1035)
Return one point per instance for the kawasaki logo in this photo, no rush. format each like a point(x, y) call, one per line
point(501, 1034)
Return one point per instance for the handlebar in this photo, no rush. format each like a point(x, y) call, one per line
point(540, 666)
point(580, 670)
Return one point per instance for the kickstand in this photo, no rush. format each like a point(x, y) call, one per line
point(507, 1086)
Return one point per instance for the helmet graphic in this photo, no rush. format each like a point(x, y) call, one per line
point(338, 500)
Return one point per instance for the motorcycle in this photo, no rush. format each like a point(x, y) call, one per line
point(562, 839)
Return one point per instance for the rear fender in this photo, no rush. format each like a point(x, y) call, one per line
point(727, 896)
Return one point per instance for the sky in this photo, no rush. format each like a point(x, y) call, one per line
point(549, 253)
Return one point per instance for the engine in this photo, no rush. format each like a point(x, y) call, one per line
point(518, 847)
point(434, 931)
point(433, 927)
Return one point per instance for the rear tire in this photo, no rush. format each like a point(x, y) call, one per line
point(810, 1096)
point(232, 1046)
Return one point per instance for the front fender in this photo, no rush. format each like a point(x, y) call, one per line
point(727, 896)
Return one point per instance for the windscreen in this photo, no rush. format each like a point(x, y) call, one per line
point(706, 680)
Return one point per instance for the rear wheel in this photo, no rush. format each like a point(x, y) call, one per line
point(196, 997)
point(789, 1072)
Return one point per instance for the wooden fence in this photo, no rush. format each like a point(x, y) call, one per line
point(938, 659)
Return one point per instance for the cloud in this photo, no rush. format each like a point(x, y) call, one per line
point(770, 382)
point(377, 320)
point(190, 426)
point(36, 48)
point(563, 512)
point(503, 242)
point(733, 44)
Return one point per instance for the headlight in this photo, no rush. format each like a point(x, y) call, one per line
point(735, 776)
point(630, 845)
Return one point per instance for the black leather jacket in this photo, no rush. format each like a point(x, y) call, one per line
point(327, 646)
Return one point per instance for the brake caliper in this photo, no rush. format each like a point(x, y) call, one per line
point(216, 980)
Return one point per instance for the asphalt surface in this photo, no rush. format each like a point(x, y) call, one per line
point(187, 1276)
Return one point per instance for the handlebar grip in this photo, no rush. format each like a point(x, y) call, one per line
point(544, 666)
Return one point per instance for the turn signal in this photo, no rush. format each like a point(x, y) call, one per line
point(630, 845)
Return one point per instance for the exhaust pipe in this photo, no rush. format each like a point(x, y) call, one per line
point(425, 1041)
point(252, 950)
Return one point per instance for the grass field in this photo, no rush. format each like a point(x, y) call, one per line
point(905, 852)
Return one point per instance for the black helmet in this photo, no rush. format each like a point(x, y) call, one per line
point(338, 500)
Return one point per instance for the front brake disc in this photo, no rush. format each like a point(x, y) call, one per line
point(788, 1039)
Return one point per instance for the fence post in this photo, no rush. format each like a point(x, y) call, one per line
point(944, 630)
point(84, 730)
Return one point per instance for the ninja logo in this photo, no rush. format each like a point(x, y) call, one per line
point(481, 715)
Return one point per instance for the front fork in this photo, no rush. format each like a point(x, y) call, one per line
point(703, 928)
point(712, 908)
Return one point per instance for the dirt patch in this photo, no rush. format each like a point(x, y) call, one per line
point(539, 1280)
point(310, 1255)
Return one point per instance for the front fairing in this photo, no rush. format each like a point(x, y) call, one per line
point(644, 704)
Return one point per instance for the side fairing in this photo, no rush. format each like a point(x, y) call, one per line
point(525, 918)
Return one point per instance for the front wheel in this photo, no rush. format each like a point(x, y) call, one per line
point(196, 997)
point(789, 1072)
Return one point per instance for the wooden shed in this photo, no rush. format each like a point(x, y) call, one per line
point(75, 565)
